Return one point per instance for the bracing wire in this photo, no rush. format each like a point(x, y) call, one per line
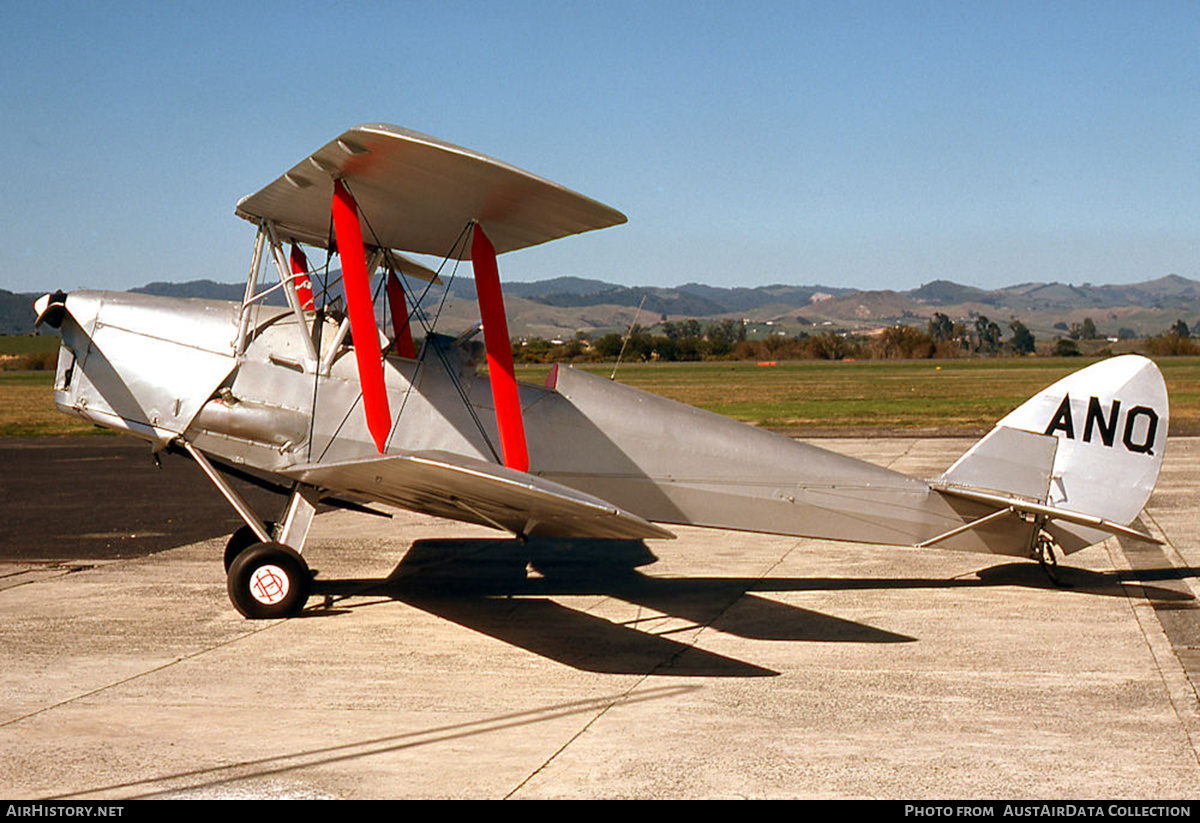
point(430, 341)
point(628, 335)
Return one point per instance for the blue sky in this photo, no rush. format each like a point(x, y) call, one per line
point(872, 145)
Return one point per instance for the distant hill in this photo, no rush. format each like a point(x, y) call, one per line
point(946, 293)
point(205, 289)
point(557, 285)
point(16, 312)
point(867, 307)
point(562, 306)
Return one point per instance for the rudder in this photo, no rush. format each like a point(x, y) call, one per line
point(1091, 444)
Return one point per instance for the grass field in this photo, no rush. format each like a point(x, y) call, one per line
point(17, 344)
point(27, 407)
point(960, 396)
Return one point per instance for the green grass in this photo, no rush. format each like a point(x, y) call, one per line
point(23, 352)
point(909, 394)
point(27, 407)
point(27, 344)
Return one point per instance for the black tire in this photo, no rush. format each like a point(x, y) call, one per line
point(267, 581)
point(241, 540)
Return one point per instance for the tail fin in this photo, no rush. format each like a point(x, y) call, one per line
point(1088, 448)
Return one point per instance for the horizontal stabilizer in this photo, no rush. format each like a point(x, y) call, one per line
point(463, 488)
point(1025, 506)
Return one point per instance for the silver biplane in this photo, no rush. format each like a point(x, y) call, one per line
point(311, 397)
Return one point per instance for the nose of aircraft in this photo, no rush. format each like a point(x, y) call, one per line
point(139, 363)
point(50, 308)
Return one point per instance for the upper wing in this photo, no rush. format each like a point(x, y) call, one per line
point(462, 488)
point(417, 193)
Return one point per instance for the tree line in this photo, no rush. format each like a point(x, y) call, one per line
point(673, 341)
point(943, 337)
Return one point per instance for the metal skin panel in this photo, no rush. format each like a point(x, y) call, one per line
point(138, 368)
point(420, 193)
point(428, 411)
point(1007, 460)
point(671, 463)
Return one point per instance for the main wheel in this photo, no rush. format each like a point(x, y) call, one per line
point(241, 540)
point(268, 581)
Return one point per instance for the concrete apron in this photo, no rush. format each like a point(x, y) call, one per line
point(450, 662)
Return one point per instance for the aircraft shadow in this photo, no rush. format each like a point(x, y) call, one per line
point(1023, 573)
point(506, 589)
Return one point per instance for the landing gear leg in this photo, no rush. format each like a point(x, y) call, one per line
point(297, 517)
point(265, 574)
point(292, 530)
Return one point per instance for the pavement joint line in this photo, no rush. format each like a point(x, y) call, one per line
point(166, 785)
point(41, 573)
point(1174, 557)
point(603, 710)
point(133, 677)
point(903, 454)
point(36, 574)
point(699, 630)
point(32, 566)
point(1176, 683)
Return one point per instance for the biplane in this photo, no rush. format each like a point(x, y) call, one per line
point(312, 395)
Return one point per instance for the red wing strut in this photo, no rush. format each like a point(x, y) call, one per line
point(362, 314)
point(303, 284)
point(404, 341)
point(499, 353)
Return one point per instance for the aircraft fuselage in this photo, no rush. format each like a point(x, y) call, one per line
point(163, 368)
